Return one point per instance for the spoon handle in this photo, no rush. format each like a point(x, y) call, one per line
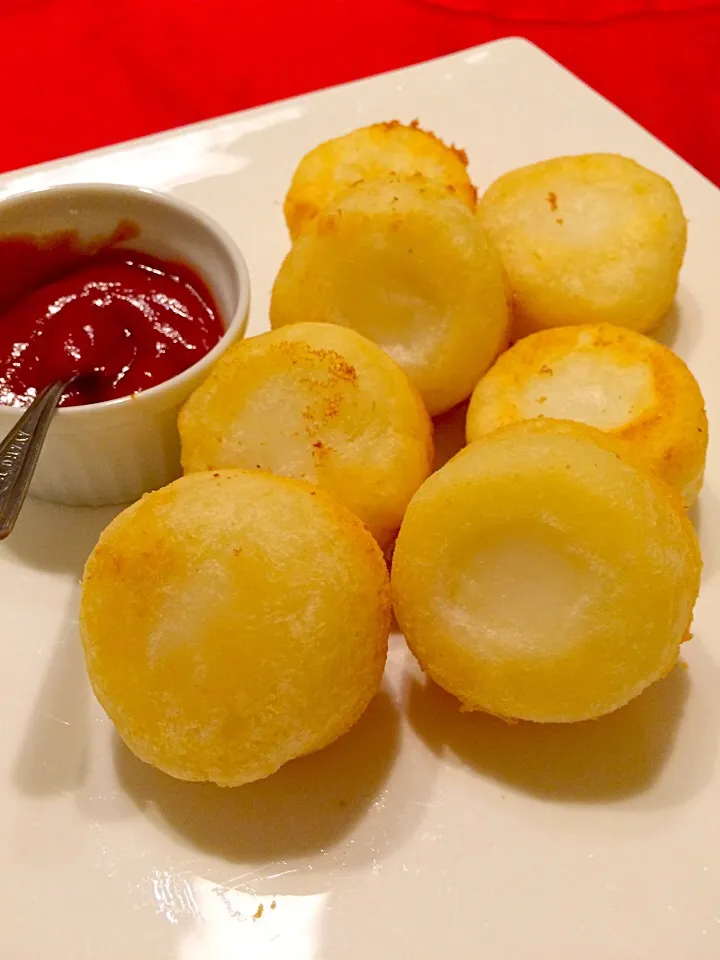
point(19, 453)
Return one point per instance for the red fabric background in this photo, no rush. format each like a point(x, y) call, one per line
point(77, 74)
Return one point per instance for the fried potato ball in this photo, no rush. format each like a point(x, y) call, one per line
point(321, 403)
point(377, 151)
point(408, 265)
point(216, 623)
point(586, 239)
point(615, 379)
point(542, 576)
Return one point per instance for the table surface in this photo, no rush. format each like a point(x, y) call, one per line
point(79, 75)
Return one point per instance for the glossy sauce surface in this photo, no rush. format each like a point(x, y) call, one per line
point(125, 321)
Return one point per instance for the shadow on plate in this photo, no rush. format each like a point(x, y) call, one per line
point(57, 539)
point(309, 805)
point(609, 759)
point(705, 517)
point(681, 326)
point(449, 434)
point(53, 755)
point(667, 330)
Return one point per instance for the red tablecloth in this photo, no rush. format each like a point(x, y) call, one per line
point(77, 74)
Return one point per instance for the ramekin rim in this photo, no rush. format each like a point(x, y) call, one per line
point(237, 322)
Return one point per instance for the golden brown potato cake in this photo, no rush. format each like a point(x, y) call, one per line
point(615, 379)
point(586, 239)
point(542, 576)
point(378, 151)
point(317, 402)
point(408, 265)
point(216, 623)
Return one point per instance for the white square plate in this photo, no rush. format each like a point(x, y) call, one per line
point(424, 833)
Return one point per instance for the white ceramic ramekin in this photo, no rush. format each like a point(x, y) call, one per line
point(113, 452)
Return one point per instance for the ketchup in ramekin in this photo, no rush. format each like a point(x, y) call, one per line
point(123, 320)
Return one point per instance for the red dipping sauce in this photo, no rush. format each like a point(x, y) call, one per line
point(125, 321)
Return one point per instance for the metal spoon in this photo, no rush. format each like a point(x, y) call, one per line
point(19, 452)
